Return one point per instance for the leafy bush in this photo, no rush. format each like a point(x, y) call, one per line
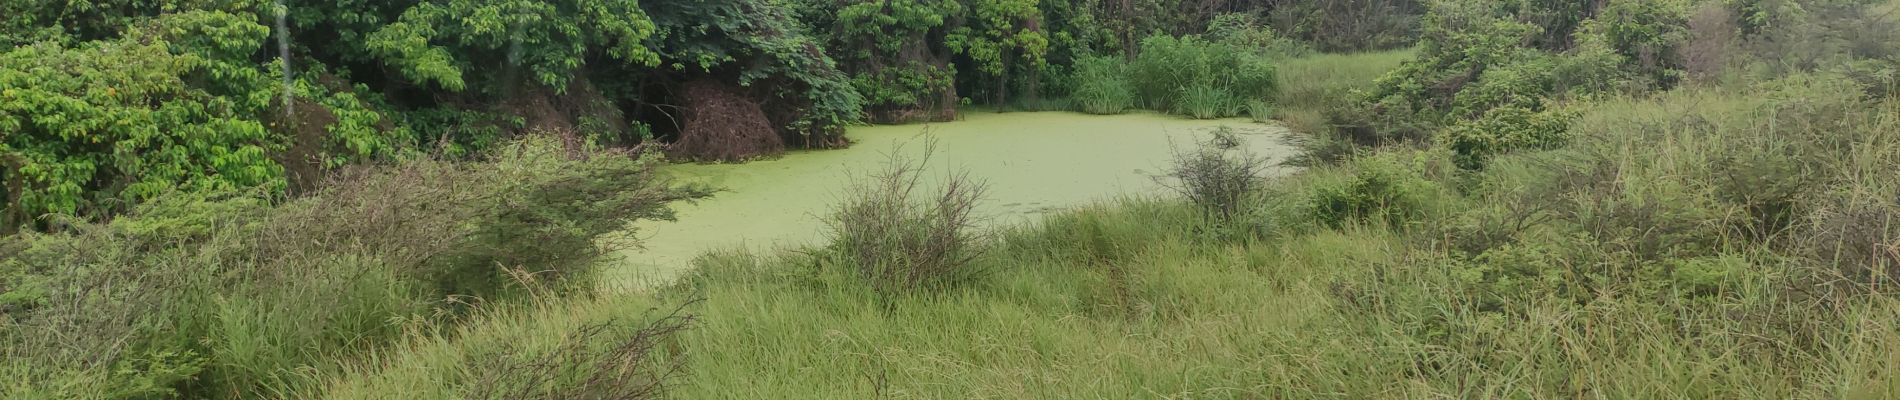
point(877, 43)
point(438, 42)
point(1218, 177)
point(1246, 32)
point(1378, 190)
point(1321, 90)
point(1501, 130)
point(175, 104)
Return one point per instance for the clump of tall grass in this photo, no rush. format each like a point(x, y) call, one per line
point(1205, 102)
point(1259, 110)
point(1218, 177)
point(1200, 78)
point(227, 295)
point(903, 234)
point(1102, 86)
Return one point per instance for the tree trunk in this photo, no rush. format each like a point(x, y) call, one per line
point(11, 216)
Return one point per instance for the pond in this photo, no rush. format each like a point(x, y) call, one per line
point(1032, 163)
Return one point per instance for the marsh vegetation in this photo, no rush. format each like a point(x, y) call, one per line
point(1476, 199)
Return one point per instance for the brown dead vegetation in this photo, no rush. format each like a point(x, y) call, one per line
point(722, 124)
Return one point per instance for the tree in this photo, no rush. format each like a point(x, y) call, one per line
point(442, 41)
point(95, 127)
point(1001, 37)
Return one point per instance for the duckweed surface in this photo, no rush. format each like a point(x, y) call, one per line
point(1032, 163)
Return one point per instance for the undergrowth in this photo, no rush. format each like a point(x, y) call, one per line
point(230, 296)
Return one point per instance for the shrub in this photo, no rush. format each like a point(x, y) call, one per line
point(1218, 177)
point(1316, 83)
point(1501, 130)
point(175, 104)
point(1379, 190)
point(1855, 234)
point(901, 239)
point(201, 295)
point(1246, 32)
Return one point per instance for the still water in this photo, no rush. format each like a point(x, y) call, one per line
point(1032, 162)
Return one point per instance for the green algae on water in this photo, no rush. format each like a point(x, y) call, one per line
point(1032, 163)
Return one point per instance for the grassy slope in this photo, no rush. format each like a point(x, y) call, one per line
point(1643, 260)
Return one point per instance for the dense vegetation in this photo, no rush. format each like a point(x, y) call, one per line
point(1537, 199)
point(109, 104)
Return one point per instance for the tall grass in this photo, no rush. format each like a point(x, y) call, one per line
point(229, 296)
point(1193, 76)
point(1316, 83)
point(620, 347)
point(1205, 102)
point(1102, 86)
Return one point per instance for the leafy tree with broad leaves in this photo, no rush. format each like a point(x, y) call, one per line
point(1003, 37)
point(443, 41)
point(100, 125)
point(176, 103)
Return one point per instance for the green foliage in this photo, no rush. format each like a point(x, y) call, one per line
point(1647, 34)
point(1501, 130)
point(1001, 40)
point(1246, 32)
point(91, 128)
point(1317, 85)
point(766, 47)
point(1102, 86)
point(440, 41)
point(1194, 76)
point(69, 22)
point(1486, 72)
point(887, 48)
point(1385, 191)
point(228, 296)
point(1341, 26)
point(174, 105)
